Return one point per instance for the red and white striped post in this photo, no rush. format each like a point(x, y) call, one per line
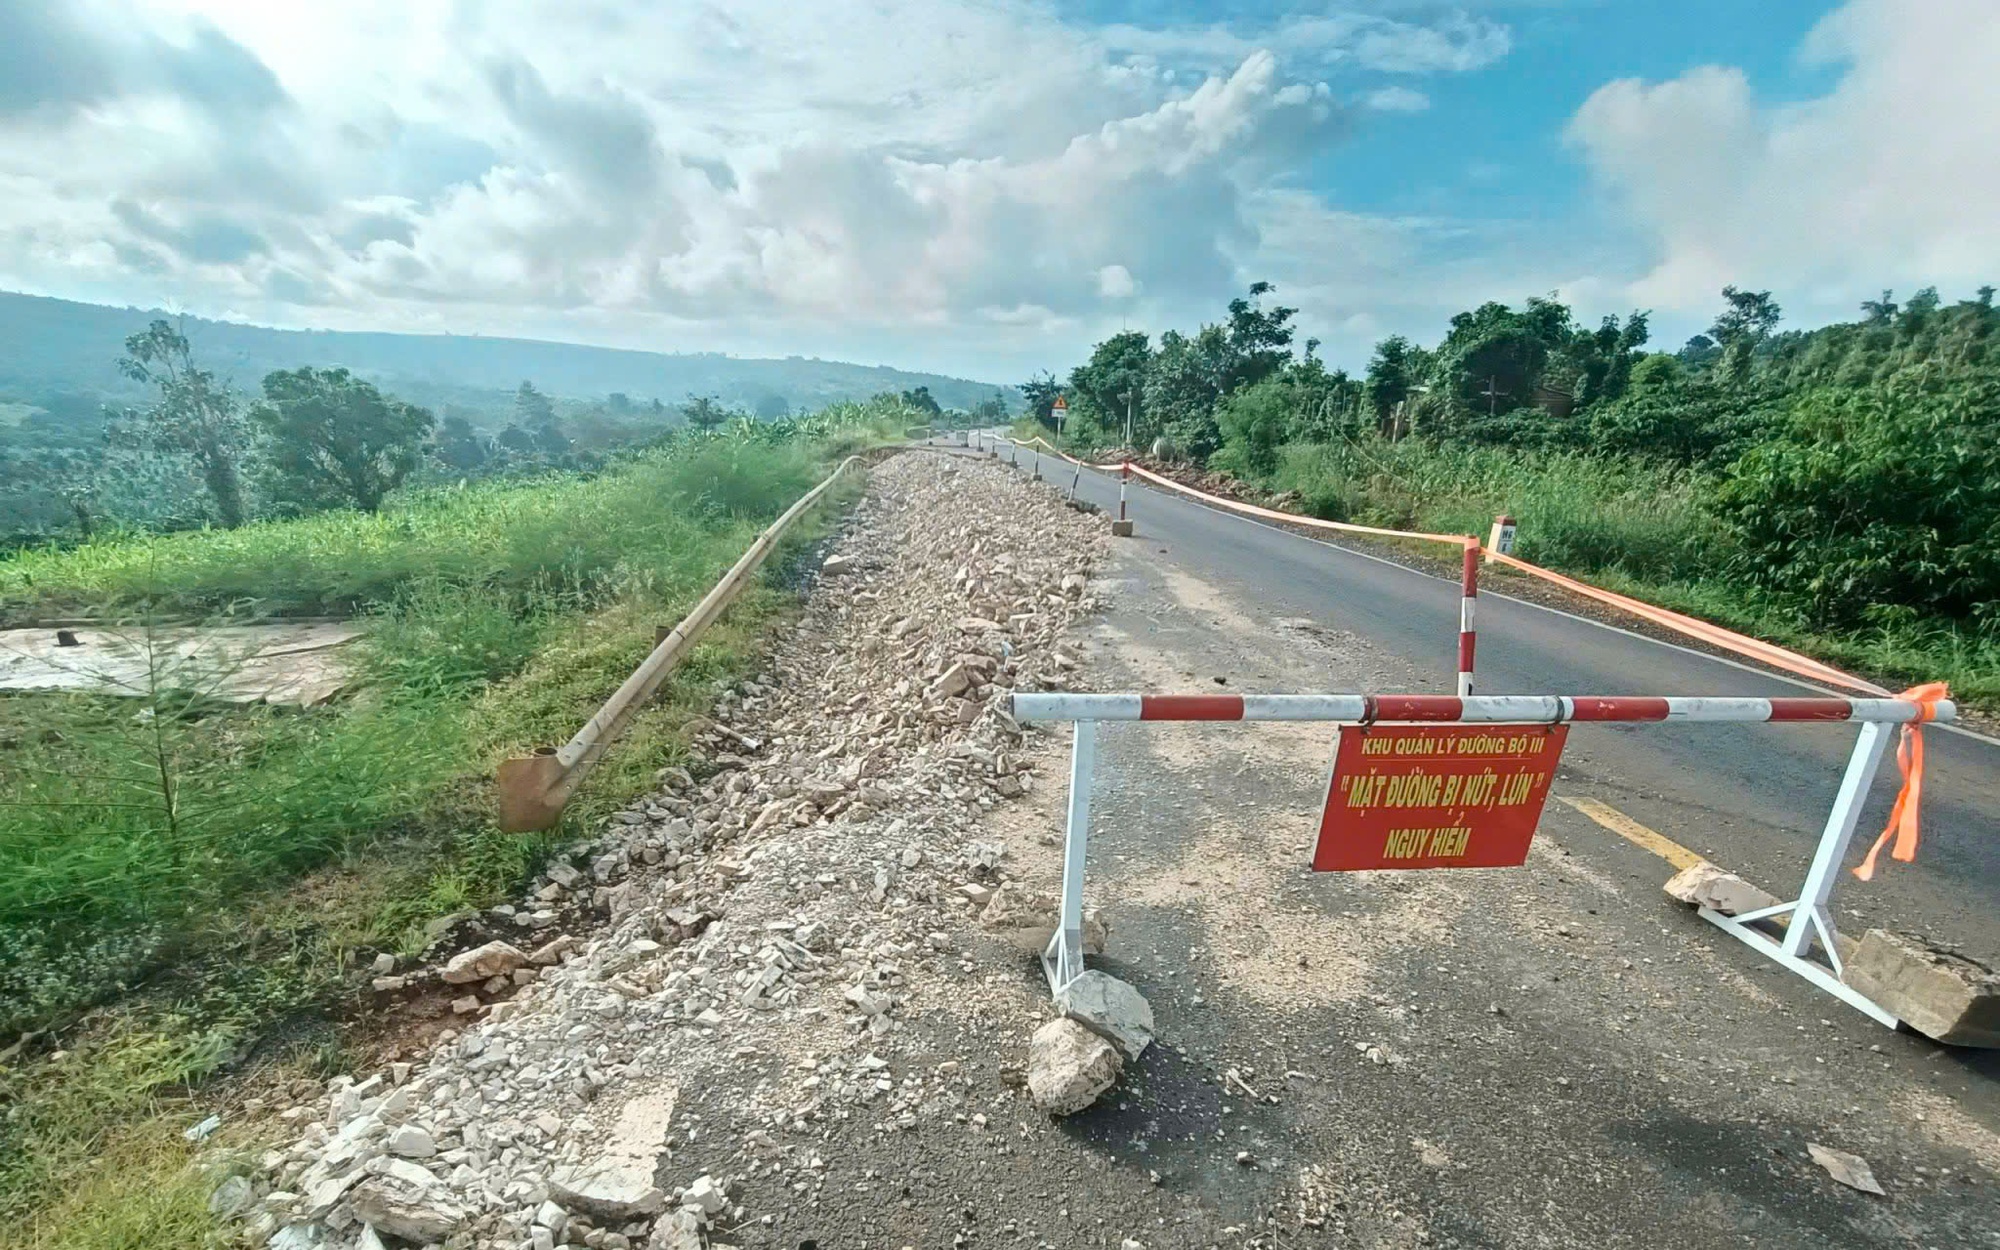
point(1468, 592)
point(1122, 527)
point(1809, 917)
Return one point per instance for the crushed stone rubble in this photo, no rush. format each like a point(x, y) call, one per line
point(782, 897)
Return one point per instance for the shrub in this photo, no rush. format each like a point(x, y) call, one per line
point(1885, 495)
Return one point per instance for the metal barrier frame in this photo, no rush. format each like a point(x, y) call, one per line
point(1810, 920)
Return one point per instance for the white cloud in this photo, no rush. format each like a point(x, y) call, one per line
point(1888, 179)
point(1397, 99)
point(973, 184)
point(1364, 41)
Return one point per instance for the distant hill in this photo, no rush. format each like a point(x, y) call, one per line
point(52, 346)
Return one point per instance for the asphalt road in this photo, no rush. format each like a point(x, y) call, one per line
point(1752, 798)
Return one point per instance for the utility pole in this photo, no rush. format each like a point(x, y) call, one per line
point(1128, 397)
point(1492, 393)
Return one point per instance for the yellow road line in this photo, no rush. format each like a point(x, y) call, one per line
point(1634, 832)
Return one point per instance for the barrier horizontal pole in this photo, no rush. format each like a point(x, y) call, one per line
point(1474, 709)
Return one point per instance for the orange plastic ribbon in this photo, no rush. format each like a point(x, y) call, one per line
point(1910, 759)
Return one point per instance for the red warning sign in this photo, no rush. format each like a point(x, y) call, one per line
point(1436, 796)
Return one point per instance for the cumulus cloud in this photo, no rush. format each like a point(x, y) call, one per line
point(1887, 179)
point(962, 178)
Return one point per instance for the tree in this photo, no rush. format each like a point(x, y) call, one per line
point(459, 445)
point(1880, 311)
point(1099, 388)
point(334, 439)
point(703, 412)
point(1391, 375)
point(1040, 393)
point(1260, 340)
point(532, 408)
point(1751, 314)
point(1254, 422)
point(771, 407)
point(194, 415)
point(920, 399)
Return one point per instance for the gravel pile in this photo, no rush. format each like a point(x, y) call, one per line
point(765, 925)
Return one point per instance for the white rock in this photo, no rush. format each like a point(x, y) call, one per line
point(1069, 1066)
point(617, 1190)
point(678, 1230)
point(705, 1196)
point(1111, 1009)
point(412, 1142)
point(231, 1197)
point(407, 1201)
point(1850, 1170)
point(482, 962)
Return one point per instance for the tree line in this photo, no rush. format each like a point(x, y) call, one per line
point(1853, 469)
point(199, 452)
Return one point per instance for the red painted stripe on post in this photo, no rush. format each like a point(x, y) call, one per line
point(1191, 707)
point(1439, 707)
point(1811, 709)
point(1465, 648)
point(1617, 707)
point(1468, 578)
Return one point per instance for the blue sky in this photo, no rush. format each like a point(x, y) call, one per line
point(986, 187)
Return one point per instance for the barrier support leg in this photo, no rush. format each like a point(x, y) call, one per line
point(1063, 960)
point(1122, 527)
point(1809, 919)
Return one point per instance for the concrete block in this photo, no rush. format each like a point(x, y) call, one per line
point(1705, 885)
point(1945, 996)
point(1121, 529)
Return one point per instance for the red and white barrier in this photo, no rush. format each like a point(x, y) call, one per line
point(1475, 709)
point(1810, 920)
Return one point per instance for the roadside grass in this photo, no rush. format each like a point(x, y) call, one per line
point(178, 877)
point(1634, 527)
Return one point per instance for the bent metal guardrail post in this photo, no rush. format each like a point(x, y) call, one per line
point(1809, 918)
point(534, 789)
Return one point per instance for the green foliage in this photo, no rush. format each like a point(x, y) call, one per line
point(1837, 487)
point(162, 840)
point(704, 413)
point(192, 415)
point(333, 439)
point(1888, 494)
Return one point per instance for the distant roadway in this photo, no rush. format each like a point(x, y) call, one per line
point(1752, 798)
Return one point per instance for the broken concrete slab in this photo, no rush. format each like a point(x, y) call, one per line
point(1943, 995)
point(1028, 920)
point(1705, 885)
point(1069, 1066)
point(1111, 1009)
point(406, 1200)
point(610, 1190)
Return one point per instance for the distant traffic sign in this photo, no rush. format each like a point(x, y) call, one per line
point(1436, 796)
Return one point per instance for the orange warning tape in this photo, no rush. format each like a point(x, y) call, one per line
point(1902, 824)
point(1728, 639)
